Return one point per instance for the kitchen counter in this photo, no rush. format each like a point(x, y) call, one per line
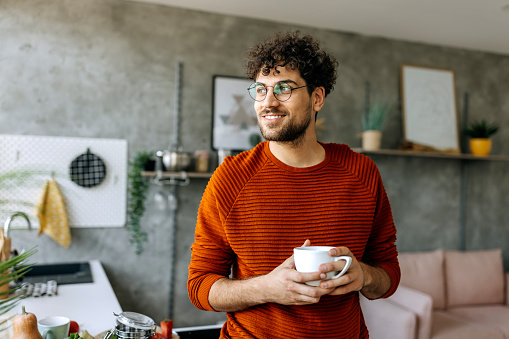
point(91, 305)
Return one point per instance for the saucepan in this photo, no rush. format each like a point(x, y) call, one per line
point(175, 161)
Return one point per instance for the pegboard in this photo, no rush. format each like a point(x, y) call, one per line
point(30, 161)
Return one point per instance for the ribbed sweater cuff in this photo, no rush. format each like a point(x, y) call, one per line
point(393, 275)
point(206, 284)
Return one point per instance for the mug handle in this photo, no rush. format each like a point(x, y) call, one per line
point(48, 334)
point(347, 265)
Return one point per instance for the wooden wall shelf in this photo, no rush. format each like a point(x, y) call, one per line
point(393, 152)
point(462, 156)
point(153, 174)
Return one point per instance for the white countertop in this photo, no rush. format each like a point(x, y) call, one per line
point(90, 305)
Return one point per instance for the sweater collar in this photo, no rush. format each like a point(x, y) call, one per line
point(286, 167)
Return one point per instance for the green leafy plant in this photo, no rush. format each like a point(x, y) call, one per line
point(375, 116)
point(13, 269)
point(137, 193)
point(481, 129)
point(16, 179)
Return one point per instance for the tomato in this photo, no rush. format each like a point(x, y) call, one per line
point(158, 336)
point(74, 327)
point(166, 327)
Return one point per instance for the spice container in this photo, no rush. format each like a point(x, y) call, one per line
point(131, 325)
point(201, 161)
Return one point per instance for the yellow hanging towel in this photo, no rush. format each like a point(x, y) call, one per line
point(52, 215)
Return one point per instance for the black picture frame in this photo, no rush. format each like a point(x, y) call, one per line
point(234, 123)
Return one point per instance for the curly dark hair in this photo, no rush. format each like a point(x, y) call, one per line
point(298, 52)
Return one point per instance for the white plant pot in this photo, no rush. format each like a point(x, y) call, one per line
point(371, 140)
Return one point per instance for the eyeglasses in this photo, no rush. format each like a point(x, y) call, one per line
point(282, 91)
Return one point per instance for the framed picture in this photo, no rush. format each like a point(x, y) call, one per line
point(429, 108)
point(234, 123)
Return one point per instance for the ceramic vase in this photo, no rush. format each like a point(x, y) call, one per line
point(371, 140)
point(480, 146)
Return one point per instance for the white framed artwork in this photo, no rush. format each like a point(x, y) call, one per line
point(234, 123)
point(429, 108)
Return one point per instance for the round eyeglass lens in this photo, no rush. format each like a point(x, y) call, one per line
point(257, 91)
point(282, 91)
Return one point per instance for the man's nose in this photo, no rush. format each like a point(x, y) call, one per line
point(270, 99)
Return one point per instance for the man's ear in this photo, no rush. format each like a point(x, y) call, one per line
point(318, 98)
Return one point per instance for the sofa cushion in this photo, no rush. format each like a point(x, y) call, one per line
point(494, 316)
point(474, 277)
point(424, 271)
point(450, 326)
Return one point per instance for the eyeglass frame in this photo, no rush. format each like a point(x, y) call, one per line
point(273, 93)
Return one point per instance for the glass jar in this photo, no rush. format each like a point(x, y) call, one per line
point(131, 325)
point(202, 161)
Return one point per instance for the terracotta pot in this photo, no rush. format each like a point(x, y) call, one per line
point(480, 146)
point(371, 140)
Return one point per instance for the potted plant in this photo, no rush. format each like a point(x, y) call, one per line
point(373, 121)
point(480, 133)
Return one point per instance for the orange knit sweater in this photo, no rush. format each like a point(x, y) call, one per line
point(256, 209)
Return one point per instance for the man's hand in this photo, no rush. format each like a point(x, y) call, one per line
point(283, 285)
point(286, 286)
point(373, 282)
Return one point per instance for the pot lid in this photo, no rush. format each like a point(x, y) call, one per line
point(136, 320)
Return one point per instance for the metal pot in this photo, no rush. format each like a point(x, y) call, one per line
point(175, 161)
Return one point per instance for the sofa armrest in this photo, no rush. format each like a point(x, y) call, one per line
point(386, 320)
point(507, 288)
point(421, 304)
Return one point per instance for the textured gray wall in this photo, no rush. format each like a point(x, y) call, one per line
point(106, 69)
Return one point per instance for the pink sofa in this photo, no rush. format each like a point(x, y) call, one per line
point(444, 295)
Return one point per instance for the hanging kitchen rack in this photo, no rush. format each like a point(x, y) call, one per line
point(165, 176)
point(173, 178)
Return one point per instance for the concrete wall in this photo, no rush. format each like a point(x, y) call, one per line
point(106, 69)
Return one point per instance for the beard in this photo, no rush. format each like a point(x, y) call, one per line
point(294, 131)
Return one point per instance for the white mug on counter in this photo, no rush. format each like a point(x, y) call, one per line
point(54, 327)
point(309, 258)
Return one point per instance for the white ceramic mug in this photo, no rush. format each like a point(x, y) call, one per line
point(309, 258)
point(54, 327)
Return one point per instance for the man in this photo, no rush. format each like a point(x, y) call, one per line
point(289, 191)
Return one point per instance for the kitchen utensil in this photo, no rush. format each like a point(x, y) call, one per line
point(175, 161)
point(132, 325)
point(172, 201)
point(160, 199)
point(87, 170)
point(160, 195)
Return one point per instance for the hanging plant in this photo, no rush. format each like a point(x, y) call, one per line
point(137, 192)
